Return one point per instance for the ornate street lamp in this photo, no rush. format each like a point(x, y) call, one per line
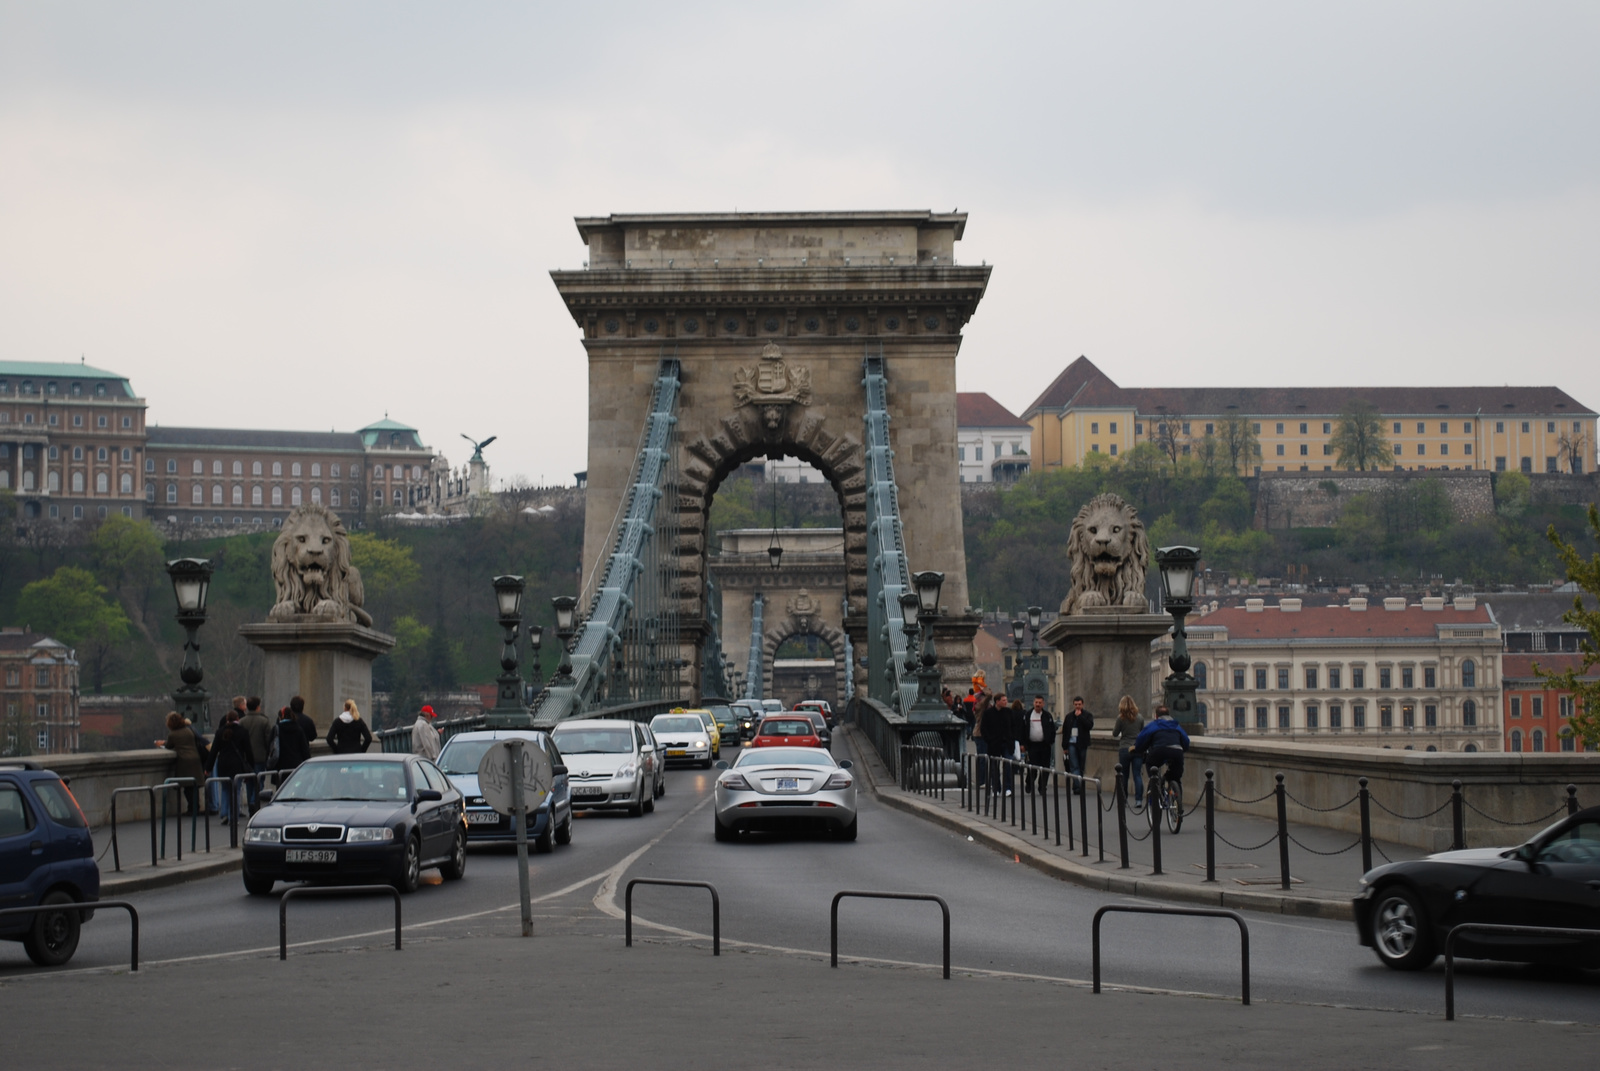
point(191, 584)
point(929, 706)
point(1178, 565)
point(566, 608)
point(909, 605)
point(1018, 627)
point(510, 710)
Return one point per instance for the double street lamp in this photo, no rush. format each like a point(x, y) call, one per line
point(1178, 566)
point(191, 585)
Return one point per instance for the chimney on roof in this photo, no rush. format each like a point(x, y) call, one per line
point(1465, 602)
point(1359, 605)
point(1254, 606)
point(1289, 606)
point(1394, 603)
point(1433, 602)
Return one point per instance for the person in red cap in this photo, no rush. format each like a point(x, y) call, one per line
point(424, 737)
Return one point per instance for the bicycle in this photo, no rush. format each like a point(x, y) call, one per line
point(1163, 794)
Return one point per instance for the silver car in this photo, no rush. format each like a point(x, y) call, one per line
point(610, 765)
point(684, 736)
point(779, 787)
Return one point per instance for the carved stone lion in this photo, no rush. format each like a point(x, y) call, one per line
point(1108, 552)
point(312, 569)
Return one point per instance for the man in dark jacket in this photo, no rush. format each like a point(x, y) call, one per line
point(230, 756)
point(1038, 737)
point(258, 727)
point(297, 707)
point(1001, 729)
point(293, 747)
point(1075, 743)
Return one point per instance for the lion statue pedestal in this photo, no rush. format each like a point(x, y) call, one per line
point(317, 639)
point(1106, 626)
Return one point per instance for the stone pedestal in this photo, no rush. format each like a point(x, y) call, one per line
point(325, 662)
point(1106, 656)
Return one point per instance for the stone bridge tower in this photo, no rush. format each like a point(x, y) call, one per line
point(770, 316)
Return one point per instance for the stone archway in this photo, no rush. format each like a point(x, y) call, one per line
point(769, 317)
point(793, 625)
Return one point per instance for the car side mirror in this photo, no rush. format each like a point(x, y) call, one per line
point(847, 765)
point(429, 795)
point(721, 764)
point(558, 770)
point(1527, 853)
point(265, 796)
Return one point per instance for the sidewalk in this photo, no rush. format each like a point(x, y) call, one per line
point(133, 845)
point(1324, 866)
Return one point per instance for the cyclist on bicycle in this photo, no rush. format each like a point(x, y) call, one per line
point(1162, 743)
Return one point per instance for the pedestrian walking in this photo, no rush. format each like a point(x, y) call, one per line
point(185, 743)
point(230, 756)
point(977, 703)
point(297, 707)
point(349, 735)
point(1002, 731)
point(424, 737)
point(1039, 741)
point(290, 743)
point(1124, 732)
point(215, 791)
point(1075, 748)
point(258, 728)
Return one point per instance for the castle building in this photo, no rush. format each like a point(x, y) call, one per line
point(1524, 429)
point(992, 443)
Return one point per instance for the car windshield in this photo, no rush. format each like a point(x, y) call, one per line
point(722, 714)
point(816, 718)
point(463, 756)
point(1580, 844)
point(595, 741)
point(369, 781)
point(774, 727)
point(785, 756)
point(677, 723)
point(705, 718)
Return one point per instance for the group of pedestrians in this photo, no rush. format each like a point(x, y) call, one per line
point(248, 741)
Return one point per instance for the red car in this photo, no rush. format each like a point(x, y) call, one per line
point(786, 732)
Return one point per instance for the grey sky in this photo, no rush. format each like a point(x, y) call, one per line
point(309, 214)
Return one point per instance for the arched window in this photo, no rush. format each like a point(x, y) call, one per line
point(294, 495)
point(316, 468)
point(255, 468)
point(77, 483)
point(238, 468)
point(54, 480)
point(100, 454)
point(399, 497)
point(377, 495)
point(294, 470)
point(238, 495)
point(197, 495)
point(1469, 713)
point(255, 496)
point(316, 495)
point(216, 494)
point(1200, 674)
point(1516, 739)
point(172, 492)
point(334, 471)
point(216, 467)
point(1538, 740)
point(277, 496)
point(1470, 748)
point(102, 483)
point(333, 497)
point(1469, 673)
point(277, 468)
point(199, 467)
point(126, 483)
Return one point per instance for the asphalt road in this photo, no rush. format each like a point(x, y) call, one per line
point(775, 893)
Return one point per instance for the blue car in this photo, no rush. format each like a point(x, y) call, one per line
point(46, 857)
point(552, 822)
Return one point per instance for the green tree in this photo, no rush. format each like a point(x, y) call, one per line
point(128, 559)
point(1359, 440)
point(1239, 443)
point(71, 606)
point(1584, 688)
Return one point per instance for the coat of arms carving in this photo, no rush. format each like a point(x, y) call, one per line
point(772, 387)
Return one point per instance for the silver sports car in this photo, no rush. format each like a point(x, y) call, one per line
point(778, 787)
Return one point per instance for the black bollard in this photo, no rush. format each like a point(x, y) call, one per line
point(1211, 826)
point(1283, 830)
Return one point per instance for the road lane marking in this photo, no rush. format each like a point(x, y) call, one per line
point(605, 898)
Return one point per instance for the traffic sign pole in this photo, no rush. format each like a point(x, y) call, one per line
point(520, 816)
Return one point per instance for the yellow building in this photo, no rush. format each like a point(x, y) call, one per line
point(1526, 429)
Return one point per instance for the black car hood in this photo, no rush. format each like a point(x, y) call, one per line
point(332, 812)
point(1471, 856)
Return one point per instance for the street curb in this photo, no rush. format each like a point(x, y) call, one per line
point(889, 794)
point(162, 877)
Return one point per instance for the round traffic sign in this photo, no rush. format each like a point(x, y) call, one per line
point(494, 775)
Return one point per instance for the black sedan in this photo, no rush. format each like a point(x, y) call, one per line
point(357, 818)
point(1406, 909)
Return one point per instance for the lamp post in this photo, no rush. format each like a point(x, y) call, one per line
point(1035, 683)
point(566, 608)
point(909, 605)
point(510, 710)
point(1177, 565)
point(535, 639)
point(1018, 627)
point(929, 706)
point(191, 584)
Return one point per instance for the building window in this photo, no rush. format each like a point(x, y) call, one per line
point(1261, 680)
point(238, 468)
point(1200, 674)
point(294, 469)
point(1279, 449)
point(1094, 429)
point(1564, 706)
point(1499, 464)
point(1408, 715)
point(1516, 706)
point(334, 471)
point(216, 494)
point(377, 472)
point(399, 497)
point(149, 464)
point(1093, 448)
point(1358, 677)
point(1567, 742)
point(216, 467)
point(1469, 713)
point(1238, 680)
point(1335, 716)
point(1304, 449)
point(277, 496)
point(1285, 718)
point(172, 492)
point(1239, 717)
point(1358, 715)
point(1499, 427)
point(1385, 678)
point(1114, 449)
point(1429, 677)
point(1312, 715)
point(1385, 716)
point(1466, 448)
point(1397, 427)
point(238, 494)
point(277, 468)
point(102, 483)
point(126, 483)
point(377, 495)
point(1469, 673)
point(255, 495)
point(1538, 706)
point(1538, 740)
point(197, 495)
point(255, 468)
point(1527, 465)
point(977, 455)
point(1283, 679)
point(333, 498)
point(316, 496)
point(1261, 717)
point(77, 483)
point(1430, 716)
point(416, 470)
point(1444, 449)
point(1335, 675)
point(1550, 465)
point(1516, 740)
point(316, 468)
point(961, 453)
point(1408, 677)
point(198, 467)
point(1311, 678)
point(1280, 429)
point(294, 496)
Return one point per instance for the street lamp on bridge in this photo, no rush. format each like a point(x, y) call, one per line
point(929, 705)
point(566, 608)
point(1178, 565)
point(191, 586)
point(510, 708)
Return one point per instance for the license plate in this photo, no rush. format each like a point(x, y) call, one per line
point(483, 818)
point(304, 855)
point(788, 784)
point(588, 792)
point(676, 754)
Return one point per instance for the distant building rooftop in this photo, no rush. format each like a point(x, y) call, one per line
point(975, 409)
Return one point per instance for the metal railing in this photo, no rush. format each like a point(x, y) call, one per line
point(716, 908)
point(331, 890)
point(150, 791)
point(995, 788)
point(1199, 912)
point(398, 741)
point(84, 907)
point(1487, 927)
point(833, 920)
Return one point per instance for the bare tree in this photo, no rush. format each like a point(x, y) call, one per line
point(1239, 443)
point(1359, 440)
point(1571, 450)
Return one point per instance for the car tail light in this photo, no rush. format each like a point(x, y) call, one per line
point(838, 780)
point(736, 782)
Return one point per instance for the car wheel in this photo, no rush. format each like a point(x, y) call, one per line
point(636, 811)
point(545, 842)
point(564, 832)
point(849, 831)
point(456, 866)
point(410, 867)
point(661, 788)
point(649, 804)
point(705, 765)
point(53, 937)
point(722, 832)
point(257, 886)
point(1400, 932)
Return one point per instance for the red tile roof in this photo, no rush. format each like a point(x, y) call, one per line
point(1060, 393)
point(1339, 622)
point(1520, 666)
point(975, 409)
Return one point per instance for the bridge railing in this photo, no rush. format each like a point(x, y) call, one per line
point(884, 727)
point(398, 741)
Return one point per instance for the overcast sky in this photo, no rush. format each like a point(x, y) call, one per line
point(305, 215)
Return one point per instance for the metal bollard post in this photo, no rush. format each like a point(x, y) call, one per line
point(1122, 816)
point(1083, 811)
point(1154, 814)
point(1099, 823)
point(1366, 825)
point(1033, 797)
point(1457, 817)
point(1055, 796)
point(1211, 825)
point(1572, 799)
point(1283, 829)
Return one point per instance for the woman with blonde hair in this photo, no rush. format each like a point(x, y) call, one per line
point(349, 734)
point(1125, 732)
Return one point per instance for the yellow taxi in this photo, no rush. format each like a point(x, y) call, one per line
point(711, 727)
